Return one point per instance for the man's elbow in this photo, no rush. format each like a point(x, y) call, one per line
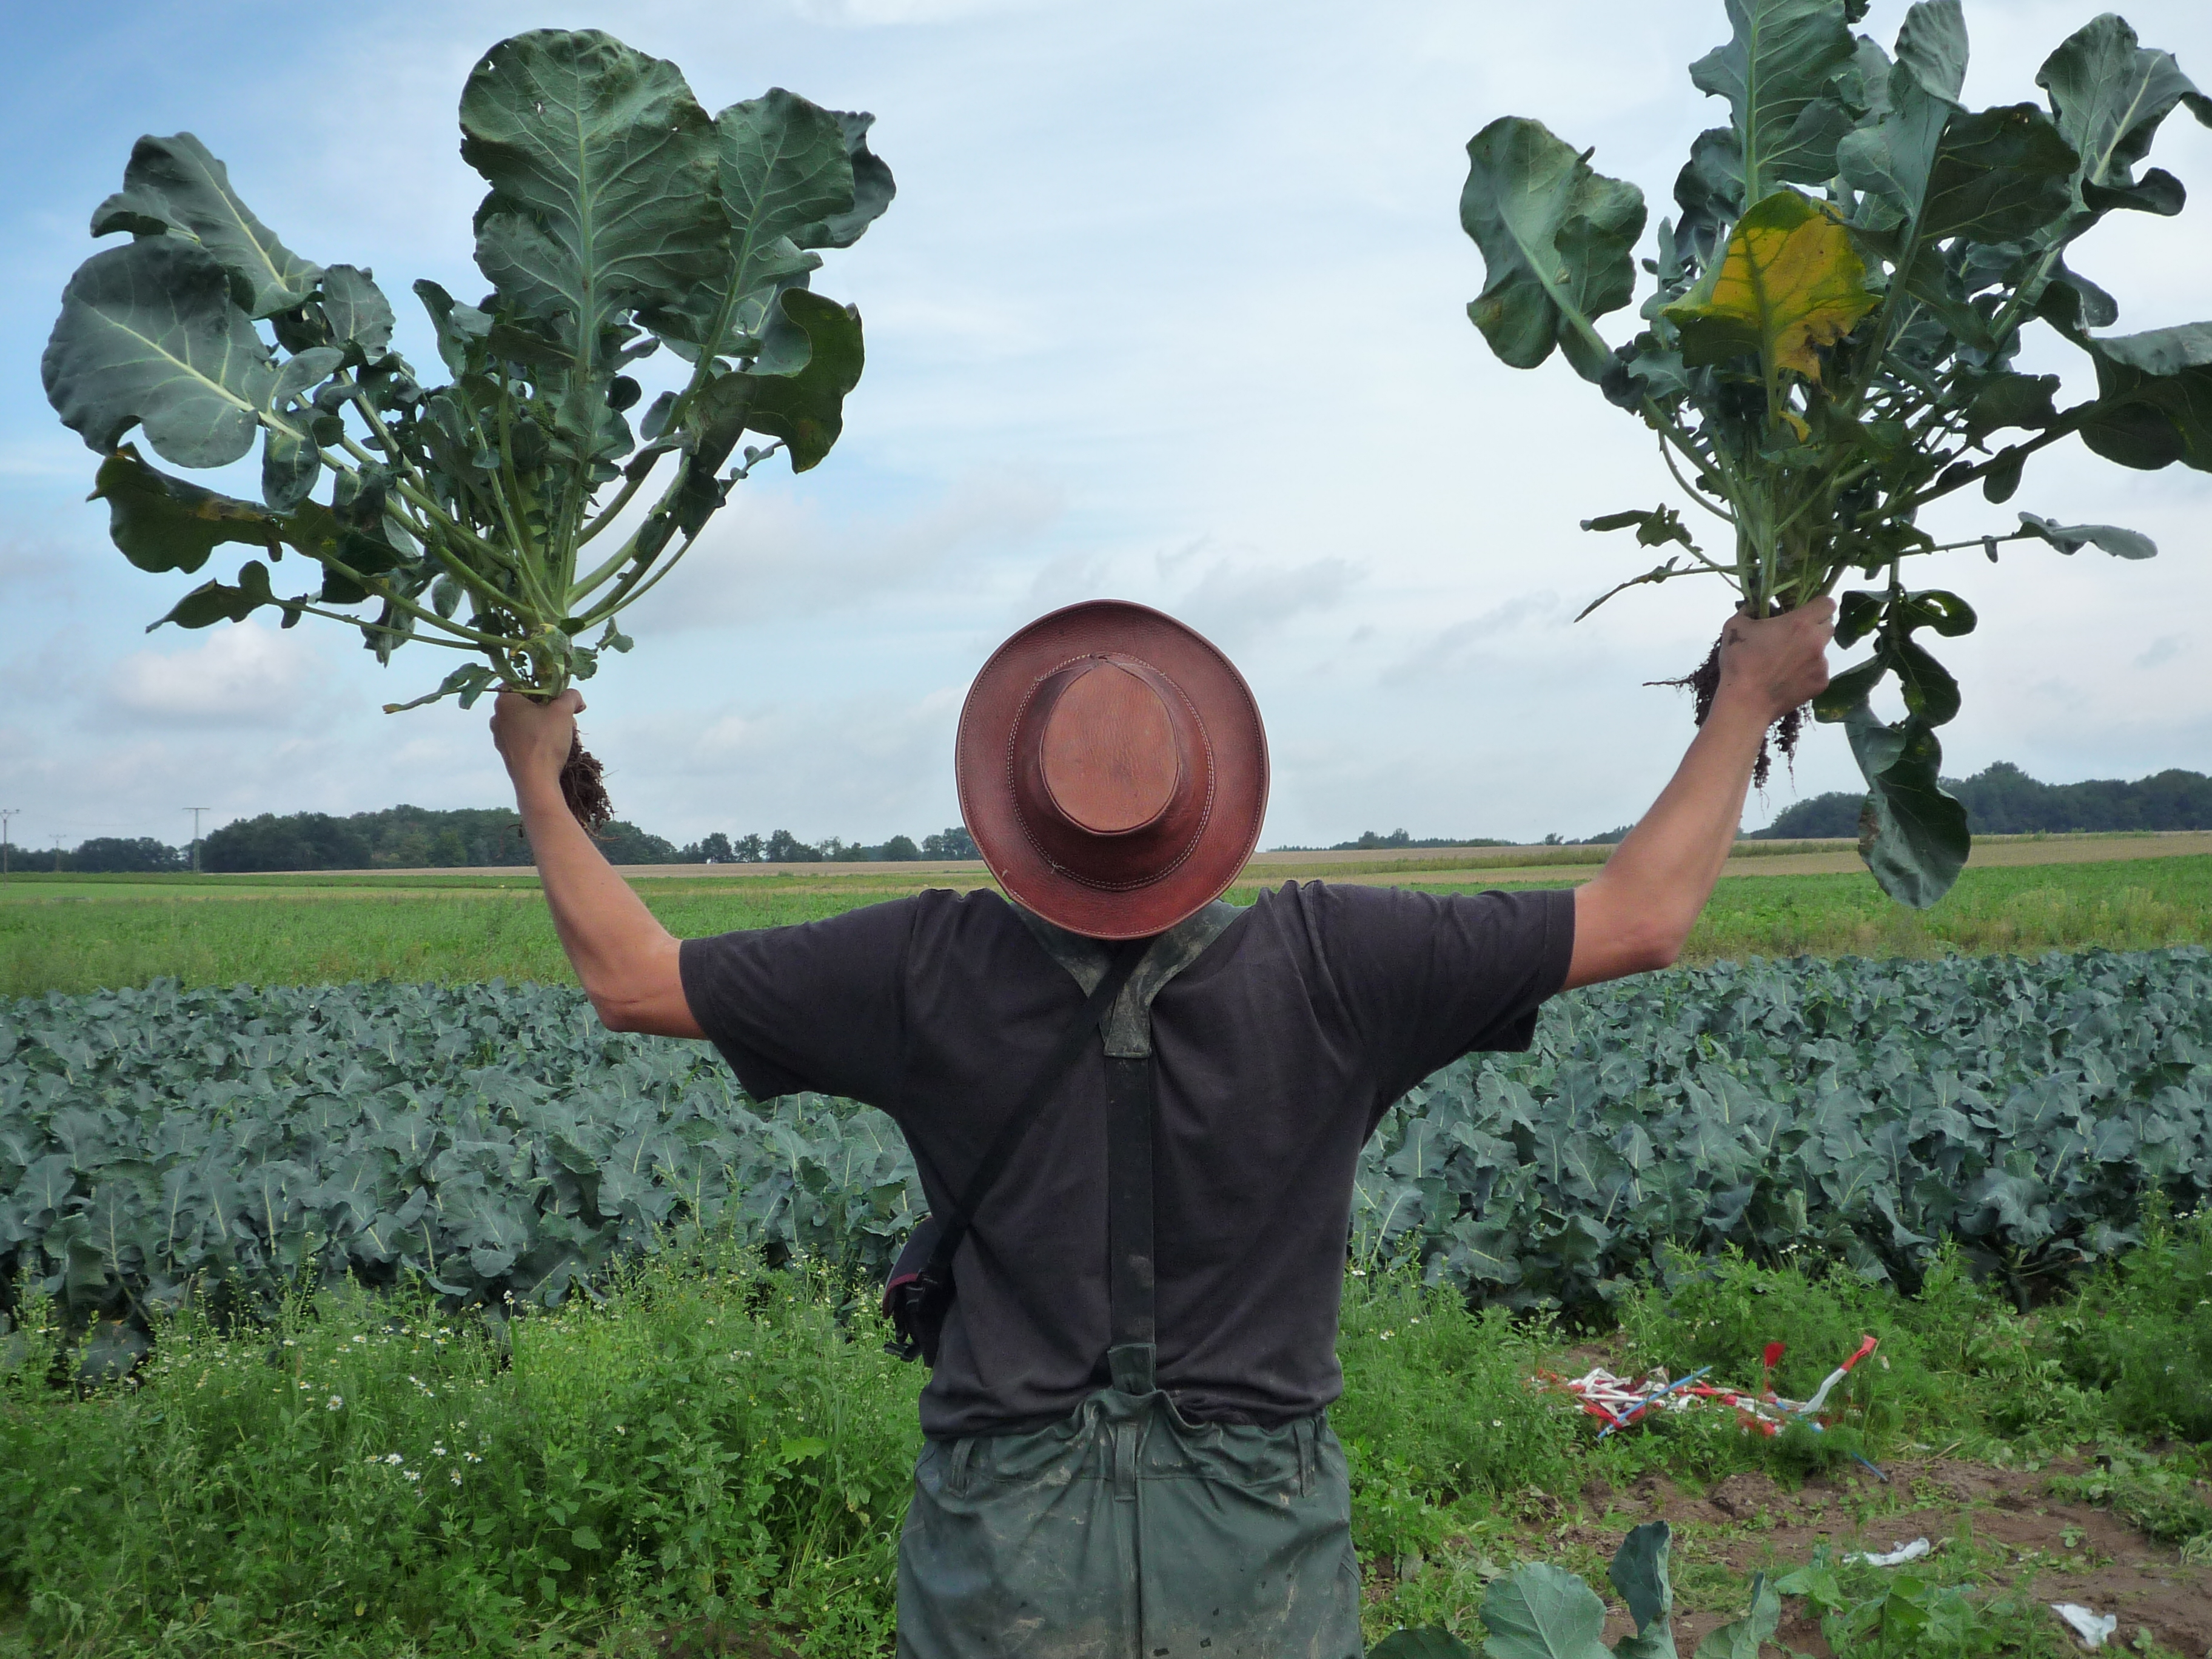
point(1661, 949)
point(616, 1011)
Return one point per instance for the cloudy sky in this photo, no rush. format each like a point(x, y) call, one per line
point(1170, 308)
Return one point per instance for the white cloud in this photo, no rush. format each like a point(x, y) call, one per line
point(1452, 651)
point(771, 557)
point(1235, 600)
point(243, 673)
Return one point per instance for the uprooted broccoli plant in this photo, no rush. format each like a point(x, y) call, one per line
point(1830, 347)
point(487, 514)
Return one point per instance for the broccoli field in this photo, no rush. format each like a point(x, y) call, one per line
point(492, 1140)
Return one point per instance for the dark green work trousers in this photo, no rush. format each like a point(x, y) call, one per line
point(1126, 1532)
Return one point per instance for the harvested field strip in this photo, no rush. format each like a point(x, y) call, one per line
point(56, 937)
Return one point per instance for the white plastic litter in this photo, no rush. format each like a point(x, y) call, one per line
point(2094, 1629)
point(1898, 1556)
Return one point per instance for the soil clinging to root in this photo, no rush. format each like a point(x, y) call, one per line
point(1705, 682)
point(582, 788)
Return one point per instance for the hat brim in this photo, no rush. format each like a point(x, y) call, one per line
point(1225, 707)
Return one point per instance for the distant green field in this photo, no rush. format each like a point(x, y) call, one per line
point(85, 932)
point(2137, 904)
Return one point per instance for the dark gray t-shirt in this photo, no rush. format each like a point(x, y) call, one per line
point(1274, 1054)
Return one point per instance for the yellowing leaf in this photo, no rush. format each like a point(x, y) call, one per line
point(1789, 284)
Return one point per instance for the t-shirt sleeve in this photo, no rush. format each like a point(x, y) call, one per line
point(816, 1006)
point(1426, 977)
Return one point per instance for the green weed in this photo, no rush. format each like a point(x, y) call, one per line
point(372, 1475)
point(2141, 1329)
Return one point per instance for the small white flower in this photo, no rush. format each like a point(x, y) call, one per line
point(288, 1342)
point(410, 1474)
point(1496, 1422)
point(359, 1338)
point(393, 1457)
point(472, 1458)
point(620, 1429)
point(454, 1476)
point(437, 1449)
point(337, 1402)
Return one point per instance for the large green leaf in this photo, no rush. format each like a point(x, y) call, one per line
point(1543, 1611)
point(2000, 175)
point(812, 356)
point(2109, 93)
point(1931, 46)
point(602, 170)
point(148, 336)
point(358, 312)
point(1744, 1638)
point(161, 523)
point(1638, 1573)
point(785, 168)
point(787, 172)
point(174, 187)
point(2155, 397)
point(872, 189)
point(1426, 1643)
point(1789, 284)
point(1892, 157)
point(1559, 242)
point(1777, 72)
point(1913, 836)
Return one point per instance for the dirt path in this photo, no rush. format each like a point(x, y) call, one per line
point(2051, 1548)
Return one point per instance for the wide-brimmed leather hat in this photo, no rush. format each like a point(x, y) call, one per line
point(1113, 769)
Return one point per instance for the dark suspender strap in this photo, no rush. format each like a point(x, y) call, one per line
point(1129, 1223)
point(1026, 1112)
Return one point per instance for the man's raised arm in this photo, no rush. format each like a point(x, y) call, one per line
point(1636, 913)
point(625, 958)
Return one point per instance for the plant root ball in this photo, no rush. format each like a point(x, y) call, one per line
point(582, 788)
point(1705, 682)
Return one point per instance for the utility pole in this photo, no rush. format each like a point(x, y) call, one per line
point(6, 813)
point(58, 853)
point(195, 812)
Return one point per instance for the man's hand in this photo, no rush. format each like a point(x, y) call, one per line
point(1777, 663)
point(534, 738)
point(1636, 913)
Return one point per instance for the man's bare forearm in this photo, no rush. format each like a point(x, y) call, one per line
point(1665, 868)
point(1636, 913)
point(628, 963)
point(604, 926)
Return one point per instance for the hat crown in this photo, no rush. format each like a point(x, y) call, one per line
point(1109, 757)
point(1112, 768)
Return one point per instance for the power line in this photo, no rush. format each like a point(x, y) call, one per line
point(195, 811)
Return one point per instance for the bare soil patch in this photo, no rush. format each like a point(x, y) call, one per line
point(2051, 1548)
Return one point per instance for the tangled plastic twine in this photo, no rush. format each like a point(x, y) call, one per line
point(1618, 1401)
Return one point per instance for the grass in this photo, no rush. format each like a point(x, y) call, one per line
point(714, 1459)
point(82, 933)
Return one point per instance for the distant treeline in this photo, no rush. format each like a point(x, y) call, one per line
point(2001, 801)
point(2005, 801)
point(416, 838)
